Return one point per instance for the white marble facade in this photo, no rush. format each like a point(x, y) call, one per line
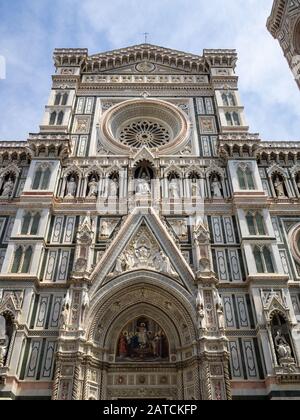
point(151, 227)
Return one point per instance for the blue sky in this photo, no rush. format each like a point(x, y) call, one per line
point(31, 29)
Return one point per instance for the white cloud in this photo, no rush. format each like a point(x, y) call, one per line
point(28, 37)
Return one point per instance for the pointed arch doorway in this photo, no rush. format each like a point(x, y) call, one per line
point(146, 336)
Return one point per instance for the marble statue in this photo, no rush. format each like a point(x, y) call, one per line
point(162, 263)
point(4, 341)
point(180, 228)
point(71, 188)
point(200, 311)
point(105, 229)
point(216, 188)
point(64, 317)
point(279, 187)
point(195, 188)
point(119, 265)
point(7, 188)
point(143, 187)
point(283, 349)
point(93, 188)
point(113, 187)
point(85, 303)
point(174, 189)
point(220, 309)
point(129, 261)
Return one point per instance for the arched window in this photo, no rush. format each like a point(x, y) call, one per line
point(65, 99)
point(263, 259)
point(249, 179)
point(27, 260)
point(236, 118)
point(233, 119)
point(37, 179)
point(60, 118)
point(45, 179)
point(35, 223)
point(231, 99)
point(225, 99)
point(228, 99)
point(229, 119)
point(241, 178)
point(42, 178)
point(255, 223)
point(17, 260)
point(57, 99)
point(245, 178)
point(53, 116)
point(26, 224)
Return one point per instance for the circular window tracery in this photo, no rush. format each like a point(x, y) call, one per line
point(145, 133)
point(150, 123)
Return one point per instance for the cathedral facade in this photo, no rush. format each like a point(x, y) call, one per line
point(149, 243)
point(284, 25)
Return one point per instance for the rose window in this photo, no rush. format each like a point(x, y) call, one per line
point(151, 123)
point(145, 133)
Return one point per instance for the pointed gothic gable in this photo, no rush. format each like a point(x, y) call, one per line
point(143, 242)
point(145, 59)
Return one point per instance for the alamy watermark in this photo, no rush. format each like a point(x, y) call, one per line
point(2, 67)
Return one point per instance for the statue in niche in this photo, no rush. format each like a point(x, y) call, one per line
point(283, 349)
point(93, 188)
point(143, 186)
point(64, 317)
point(71, 188)
point(204, 265)
point(200, 310)
point(114, 187)
point(279, 187)
point(105, 229)
point(174, 189)
point(216, 187)
point(195, 187)
point(180, 227)
point(85, 304)
point(220, 309)
point(8, 188)
point(4, 341)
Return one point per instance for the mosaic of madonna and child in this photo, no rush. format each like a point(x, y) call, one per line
point(142, 340)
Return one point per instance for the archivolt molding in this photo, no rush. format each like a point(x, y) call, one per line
point(93, 170)
point(73, 169)
point(9, 170)
point(295, 170)
point(142, 287)
point(274, 302)
point(215, 169)
point(276, 169)
point(174, 169)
